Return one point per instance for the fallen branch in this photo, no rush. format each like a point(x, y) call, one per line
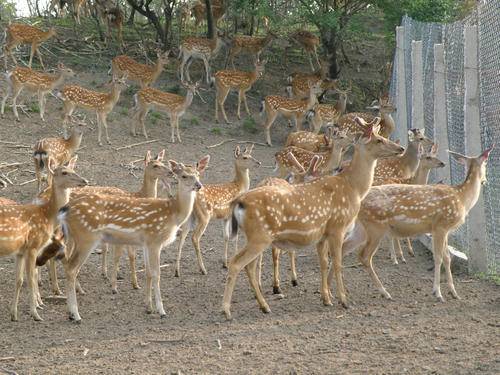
point(27, 182)
point(135, 144)
point(162, 266)
point(13, 164)
point(254, 143)
point(5, 359)
point(222, 143)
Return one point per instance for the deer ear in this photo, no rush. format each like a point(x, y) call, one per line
point(202, 163)
point(249, 149)
point(484, 156)
point(72, 162)
point(434, 148)
point(411, 135)
point(174, 166)
point(147, 158)
point(51, 165)
point(462, 159)
point(237, 151)
point(161, 155)
point(317, 160)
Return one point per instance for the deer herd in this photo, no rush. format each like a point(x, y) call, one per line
point(342, 184)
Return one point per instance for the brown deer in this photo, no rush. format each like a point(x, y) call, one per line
point(145, 75)
point(34, 82)
point(320, 212)
point(18, 33)
point(296, 109)
point(411, 210)
point(307, 41)
point(227, 80)
point(173, 105)
point(213, 202)
point(327, 114)
point(26, 229)
point(147, 223)
point(308, 141)
point(102, 103)
point(298, 86)
point(55, 152)
point(199, 12)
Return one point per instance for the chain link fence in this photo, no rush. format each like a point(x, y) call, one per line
point(487, 19)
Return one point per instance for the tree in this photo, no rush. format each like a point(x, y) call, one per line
point(210, 19)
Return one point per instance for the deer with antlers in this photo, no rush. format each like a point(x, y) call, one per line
point(54, 151)
point(296, 109)
point(102, 103)
point(227, 80)
point(145, 75)
point(308, 42)
point(411, 210)
point(18, 33)
point(148, 223)
point(26, 229)
point(320, 212)
point(173, 105)
point(213, 202)
point(34, 82)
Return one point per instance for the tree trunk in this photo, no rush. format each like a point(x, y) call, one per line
point(210, 20)
point(330, 42)
point(131, 17)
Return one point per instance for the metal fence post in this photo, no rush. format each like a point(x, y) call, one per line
point(417, 94)
point(477, 221)
point(401, 119)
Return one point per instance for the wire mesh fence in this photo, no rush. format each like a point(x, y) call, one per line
point(487, 19)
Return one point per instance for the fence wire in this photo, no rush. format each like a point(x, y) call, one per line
point(487, 18)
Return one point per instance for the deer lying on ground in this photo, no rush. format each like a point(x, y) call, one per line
point(320, 212)
point(26, 229)
point(18, 33)
point(227, 80)
point(213, 202)
point(57, 151)
point(411, 210)
point(327, 114)
point(145, 75)
point(102, 103)
point(147, 223)
point(25, 78)
point(173, 105)
point(296, 109)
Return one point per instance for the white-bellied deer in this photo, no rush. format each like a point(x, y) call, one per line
point(34, 82)
point(101, 102)
point(308, 42)
point(144, 222)
point(320, 212)
point(143, 74)
point(26, 229)
point(227, 80)
point(18, 33)
point(296, 109)
point(173, 105)
point(213, 202)
point(57, 151)
point(411, 210)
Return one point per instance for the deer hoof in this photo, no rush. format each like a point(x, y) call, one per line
point(265, 309)
point(295, 283)
point(177, 273)
point(276, 290)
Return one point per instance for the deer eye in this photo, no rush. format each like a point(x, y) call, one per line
point(184, 176)
point(245, 157)
point(379, 141)
point(64, 173)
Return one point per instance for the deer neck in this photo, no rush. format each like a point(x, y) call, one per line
point(341, 104)
point(334, 158)
point(74, 142)
point(149, 188)
point(189, 99)
point(115, 94)
point(58, 198)
point(242, 177)
point(360, 172)
point(312, 100)
point(421, 176)
point(389, 124)
point(59, 80)
point(410, 157)
point(215, 44)
point(158, 68)
point(183, 205)
point(468, 191)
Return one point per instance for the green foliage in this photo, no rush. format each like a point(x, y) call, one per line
point(495, 278)
point(156, 115)
point(33, 107)
point(249, 125)
point(7, 9)
point(124, 111)
point(195, 121)
point(216, 131)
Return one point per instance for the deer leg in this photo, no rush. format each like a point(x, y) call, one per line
point(104, 260)
point(104, 123)
point(133, 273)
point(276, 270)
point(251, 269)
point(222, 101)
point(246, 104)
point(293, 269)
point(18, 286)
point(201, 226)
point(154, 265)
point(32, 53)
point(447, 267)
point(15, 94)
point(177, 120)
point(322, 249)
point(310, 61)
point(149, 283)
point(335, 248)
point(117, 253)
point(8, 93)
point(31, 276)
point(184, 232)
point(142, 120)
point(69, 108)
point(270, 117)
point(39, 55)
point(188, 67)
point(239, 105)
point(40, 104)
point(207, 70)
point(410, 247)
point(438, 242)
point(51, 265)
point(317, 59)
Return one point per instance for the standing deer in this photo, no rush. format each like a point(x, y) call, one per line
point(411, 210)
point(25, 78)
point(148, 223)
point(173, 105)
point(18, 33)
point(296, 109)
point(213, 202)
point(308, 42)
point(26, 229)
point(327, 114)
point(102, 103)
point(318, 213)
point(225, 80)
point(145, 75)
point(199, 12)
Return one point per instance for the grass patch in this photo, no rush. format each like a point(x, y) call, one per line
point(33, 107)
point(216, 131)
point(123, 111)
point(490, 277)
point(250, 126)
point(155, 115)
point(195, 121)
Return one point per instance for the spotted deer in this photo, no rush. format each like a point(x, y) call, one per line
point(77, 9)
point(298, 86)
point(27, 228)
point(101, 102)
point(411, 210)
point(307, 41)
point(327, 114)
point(148, 223)
point(213, 202)
point(57, 151)
point(199, 12)
point(296, 109)
point(320, 212)
point(253, 45)
point(227, 80)
point(173, 105)
point(34, 82)
point(338, 143)
point(145, 75)
point(308, 140)
point(113, 17)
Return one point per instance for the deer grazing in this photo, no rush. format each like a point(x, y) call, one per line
point(173, 105)
point(307, 41)
point(18, 33)
point(213, 202)
point(296, 109)
point(227, 80)
point(147, 223)
point(320, 212)
point(102, 103)
point(145, 75)
point(26, 229)
point(35, 82)
point(411, 210)
point(253, 45)
point(55, 152)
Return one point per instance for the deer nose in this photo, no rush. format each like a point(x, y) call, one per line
point(442, 164)
point(401, 149)
point(198, 185)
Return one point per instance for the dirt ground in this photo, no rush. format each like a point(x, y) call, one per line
point(412, 334)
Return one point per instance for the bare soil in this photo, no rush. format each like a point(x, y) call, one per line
point(412, 334)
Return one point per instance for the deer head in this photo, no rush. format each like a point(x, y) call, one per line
point(65, 72)
point(245, 160)
point(376, 145)
point(474, 162)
